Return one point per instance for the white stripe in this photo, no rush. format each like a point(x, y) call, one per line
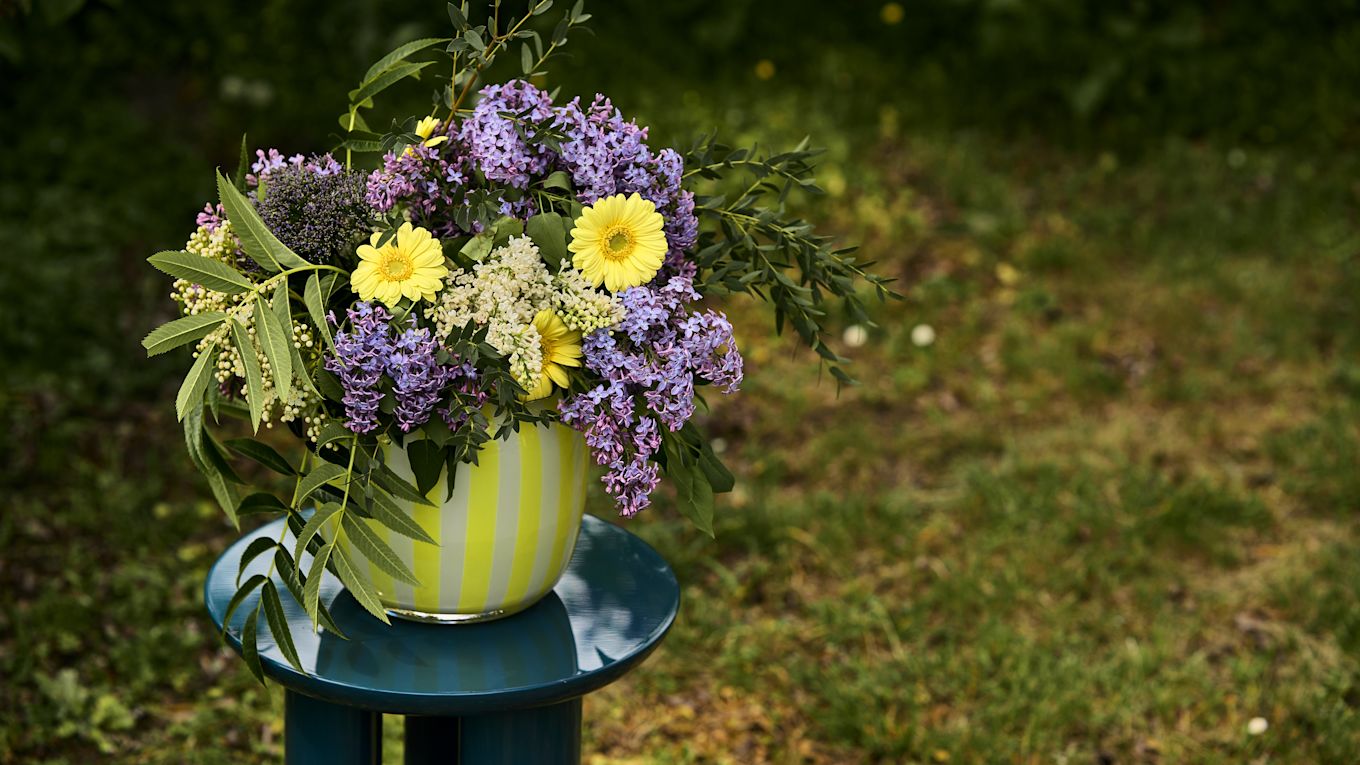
point(453, 539)
point(507, 518)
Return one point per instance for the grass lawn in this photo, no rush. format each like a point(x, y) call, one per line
point(1108, 515)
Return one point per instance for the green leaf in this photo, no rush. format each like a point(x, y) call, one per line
point(399, 487)
point(358, 585)
point(278, 625)
point(256, 239)
point(254, 380)
point(313, 527)
point(260, 503)
point(316, 308)
point(203, 453)
point(181, 332)
point(212, 274)
point(526, 59)
point(242, 166)
point(479, 246)
point(261, 453)
point(332, 431)
point(250, 650)
point(254, 550)
point(191, 390)
point(322, 474)
point(696, 501)
point(275, 341)
point(401, 53)
point(242, 592)
point(427, 461)
point(311, 590)
point(547, 230)
point(288, 572)
point(558, 179)
point(386, 510)
point(389, 77)
point(375, 550)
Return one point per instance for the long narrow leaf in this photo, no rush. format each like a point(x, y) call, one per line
point(196, 382)
point(250, 649)
point(256, 239)
point(242, 592)
point(399, 487)
point(278, 625)
point(358, 585)
point(323, 473)
point(316, 308)
point(181, 331)
point(254, 379)
point(375, 550)
point(262, 453)
point(387, 511)
point(212, 274)
point(313, 527)
point(395, 74)
point(311, 590)
point(401, 53)
point(289, 574)
point(275, 341)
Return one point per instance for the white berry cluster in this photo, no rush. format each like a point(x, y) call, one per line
point(219, 245)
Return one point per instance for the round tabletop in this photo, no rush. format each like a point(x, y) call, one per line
point(611, 608)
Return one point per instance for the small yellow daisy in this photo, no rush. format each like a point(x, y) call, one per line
point(618, 242)
point(425, 128)
point(561, 349)
point(410, 265)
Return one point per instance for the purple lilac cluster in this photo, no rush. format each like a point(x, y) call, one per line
point(431, 180)
point(649, 367)
point(368, 351)
point(493, 142)
point(602, 152)
point(211, 217)
point(607, 155)
point(267, 162)
point(417, 377)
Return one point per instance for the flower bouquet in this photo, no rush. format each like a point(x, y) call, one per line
point(510, 288)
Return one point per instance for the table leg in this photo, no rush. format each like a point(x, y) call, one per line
point(317, 732)
point(548, 735)
point(432, 740)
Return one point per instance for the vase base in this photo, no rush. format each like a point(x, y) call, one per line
point(455, 618)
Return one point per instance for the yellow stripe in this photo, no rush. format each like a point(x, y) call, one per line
point(382, 581)
point(530, 514)
point(479, 553)
point(566, 459)
point(427, 556)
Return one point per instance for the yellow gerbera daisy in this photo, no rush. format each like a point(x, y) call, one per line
point(561, 348)
point(425, 128)
point(618, 242)
point(411, 265)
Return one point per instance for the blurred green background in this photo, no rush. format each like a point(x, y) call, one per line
point(1094, 501)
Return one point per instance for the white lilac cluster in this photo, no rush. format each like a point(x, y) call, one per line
point(582, 307)
point(506, 290)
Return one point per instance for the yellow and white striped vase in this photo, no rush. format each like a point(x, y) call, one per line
point(505, 535)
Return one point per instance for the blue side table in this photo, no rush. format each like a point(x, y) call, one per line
point(501, 692)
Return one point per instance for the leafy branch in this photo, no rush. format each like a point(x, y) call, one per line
point(751, 244)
